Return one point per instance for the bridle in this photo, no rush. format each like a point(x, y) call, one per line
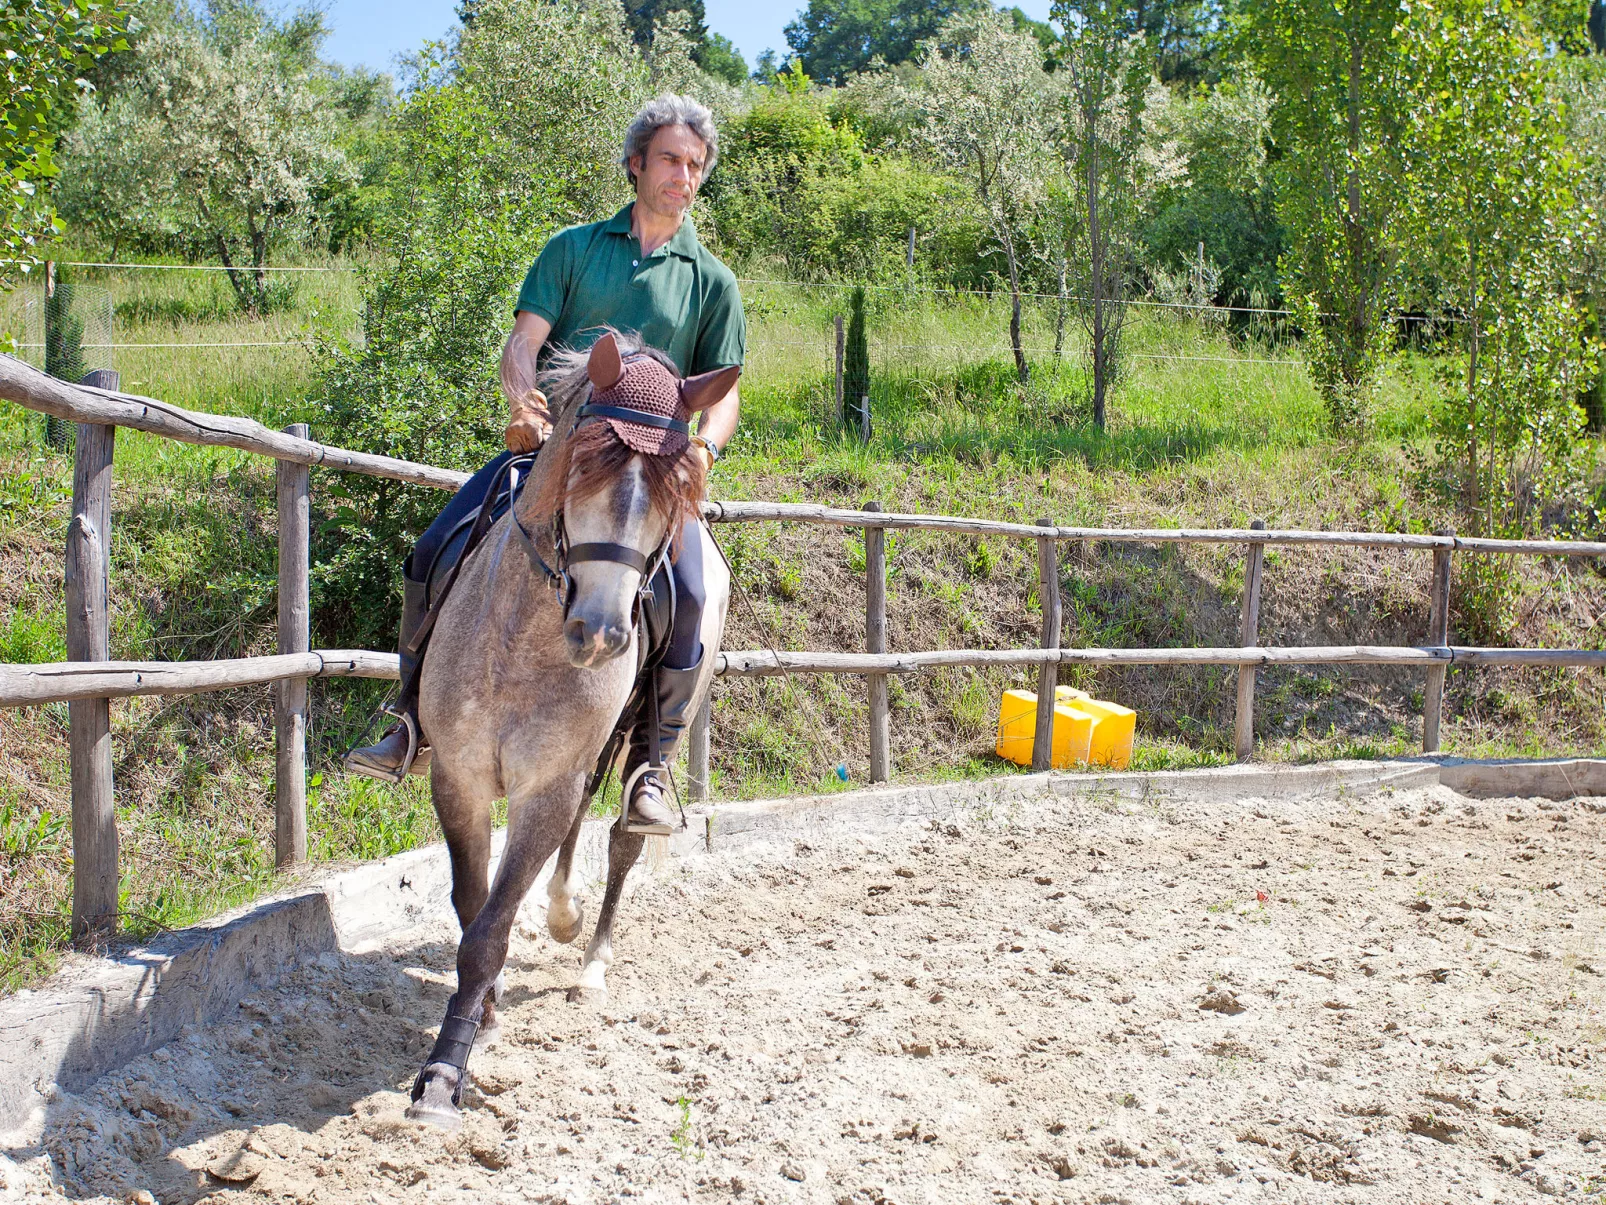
point(564, 554)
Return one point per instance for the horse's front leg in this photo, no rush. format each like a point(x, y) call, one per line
point(624, 848)
point(535, 826)
point(565, 913)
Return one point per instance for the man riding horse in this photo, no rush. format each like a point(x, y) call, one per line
point(642, 270)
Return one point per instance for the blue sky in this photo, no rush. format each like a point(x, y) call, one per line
point(372, 33)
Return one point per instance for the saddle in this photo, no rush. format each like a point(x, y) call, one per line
point(655, 615)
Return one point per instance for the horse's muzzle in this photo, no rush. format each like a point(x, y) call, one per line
point(592, 644)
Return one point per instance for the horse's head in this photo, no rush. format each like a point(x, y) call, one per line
point(629, 478)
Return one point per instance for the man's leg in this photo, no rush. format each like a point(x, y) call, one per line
point(677, 688)
point(386, 759)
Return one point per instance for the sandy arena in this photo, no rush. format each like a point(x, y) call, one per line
point(1393, 998)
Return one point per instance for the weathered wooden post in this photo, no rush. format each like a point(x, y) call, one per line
point(875, 641)
point(697, 752)
point(1248, 637)
point(1439, 637)
point(94, 815)
point(841, 353)
point(295, 636)
point(1048, 593)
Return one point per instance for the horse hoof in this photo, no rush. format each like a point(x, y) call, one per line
point(434, 1107)
point(445, 1117)
point(564, 930)
point(594, 996)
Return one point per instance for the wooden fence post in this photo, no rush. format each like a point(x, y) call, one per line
point(875, 641)
point(841, 353)
point(94, 815)
point(697, 752)
point(295, 636)
point(1048, 593)
point(1248, 637)
point(1439, 636)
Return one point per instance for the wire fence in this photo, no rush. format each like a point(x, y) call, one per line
point(790, 324)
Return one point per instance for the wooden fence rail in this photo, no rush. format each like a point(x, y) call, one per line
point(88, 681)
point(69, 681)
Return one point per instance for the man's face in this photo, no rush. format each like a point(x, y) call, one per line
point(667, 176)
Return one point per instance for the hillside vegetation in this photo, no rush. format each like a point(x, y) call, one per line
point(1228, 430)
point(1179, 262)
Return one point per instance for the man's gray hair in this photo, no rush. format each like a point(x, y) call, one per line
point(670, 110)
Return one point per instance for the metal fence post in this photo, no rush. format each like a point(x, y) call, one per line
point(1439, 637)
point(94, 814)
point(1048, 593)
point(295, 636)
point(875, 641)
point(1248, 637)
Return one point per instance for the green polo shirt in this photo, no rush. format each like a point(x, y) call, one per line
point(679, 299)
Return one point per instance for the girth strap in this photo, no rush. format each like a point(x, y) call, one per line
point(626, 414)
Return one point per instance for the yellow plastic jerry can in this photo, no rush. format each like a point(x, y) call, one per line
point(1113, 729)
point(1017, 730)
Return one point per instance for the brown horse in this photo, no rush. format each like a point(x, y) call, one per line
point(533, 659)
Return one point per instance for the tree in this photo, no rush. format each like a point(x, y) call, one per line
point(1583, 93)
point(855, 368)
point(1223, 197)
point(1338, 126)
point(64, 350)
point(46, 46)
point(720, 58)
point(1494, 204)
point(1105, 67)
point(226, 139)
point(835, 39)
point(505, 135)
point(712, 52)
point(985, 107)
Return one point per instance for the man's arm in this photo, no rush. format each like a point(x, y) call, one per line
point(718, 422)
point(529, 421)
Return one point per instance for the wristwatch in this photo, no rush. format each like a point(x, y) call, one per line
point(710, 445)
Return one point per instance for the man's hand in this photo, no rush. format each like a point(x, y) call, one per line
point(526, 433)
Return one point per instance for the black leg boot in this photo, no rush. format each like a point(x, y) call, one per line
point(388, 759)
point(649, 804)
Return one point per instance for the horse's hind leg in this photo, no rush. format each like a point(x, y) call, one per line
point(534, 830)
point(565, 913)
point(624, 848)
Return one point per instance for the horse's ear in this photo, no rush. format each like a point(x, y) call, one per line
point(604, 367)
point(706, 388)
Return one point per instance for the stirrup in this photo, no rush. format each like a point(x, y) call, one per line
point(410, 725)
point(648, 830)
point(452, 1047)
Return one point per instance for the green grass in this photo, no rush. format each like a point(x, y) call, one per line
point(1208, 427)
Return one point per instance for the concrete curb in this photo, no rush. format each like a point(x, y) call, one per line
point(101, 1013)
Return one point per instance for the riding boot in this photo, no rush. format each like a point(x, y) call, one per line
point(649, 807)
point(387, 758)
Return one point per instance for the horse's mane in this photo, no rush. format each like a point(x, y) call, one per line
point(674, 483)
